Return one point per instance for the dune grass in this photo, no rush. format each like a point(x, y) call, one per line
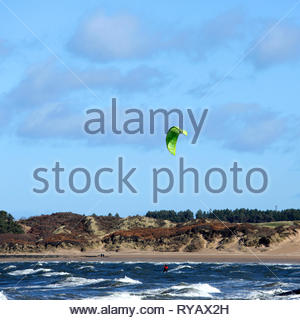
point(275, 224)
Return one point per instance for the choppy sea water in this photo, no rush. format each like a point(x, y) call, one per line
point(134, 280)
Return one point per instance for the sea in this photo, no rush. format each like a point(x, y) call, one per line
point(58, 280)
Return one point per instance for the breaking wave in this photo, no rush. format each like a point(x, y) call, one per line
point(74, 282)
point(87, 267)
point(128, 280)
point(9, 267)
point(27, 271)
point(53, 274)
point(181, 267)
point(2, 296)
point(192, 290)
point(136, 280)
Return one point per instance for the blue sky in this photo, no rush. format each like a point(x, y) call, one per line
point(238, 59)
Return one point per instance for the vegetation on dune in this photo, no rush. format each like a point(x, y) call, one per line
point(46, 225)
point(276, 224)
point(8, 224)
point(164, 230)
point(198, 235)
point(66, 230)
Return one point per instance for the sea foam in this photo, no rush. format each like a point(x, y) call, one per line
point(194, 290)
point(185, 290)
point(2, 296)
point(86, 267)
point(27, 271)
point(128, 280)
point(181, 267)
point(9, 267)
point(75, 282)
point(52, 274)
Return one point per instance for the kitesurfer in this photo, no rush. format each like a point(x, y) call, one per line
point(166, 268)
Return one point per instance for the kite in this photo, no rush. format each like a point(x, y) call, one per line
point(172, 137)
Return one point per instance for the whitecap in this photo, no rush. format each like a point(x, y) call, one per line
point(198, 286)
point(272, 294)
point(181, 267)
point(2, 296)
point(288, 267)
point(177, 263)
point(75, 282)
point(86, 267)
point(128, 280)
point(9, 267)
point(222, 265)
point(186, 290)
point(264, 294)
point(194, 290)
point(51, 274)
point(27, 271)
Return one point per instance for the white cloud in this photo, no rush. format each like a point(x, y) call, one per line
point(281, 45)
point(101, 37)
point(53, 120)
point(47, 82)
point(104, 38)
point(245, 127)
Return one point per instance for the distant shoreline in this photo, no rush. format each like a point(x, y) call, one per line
point(156, 257)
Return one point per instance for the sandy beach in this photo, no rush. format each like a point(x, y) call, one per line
point(287, 251)
point(141, 256)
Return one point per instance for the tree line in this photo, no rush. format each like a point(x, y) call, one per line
point(237, 215)
point(171, 215)
point(8, 224)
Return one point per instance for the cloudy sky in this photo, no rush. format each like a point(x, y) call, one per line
point(58, 59)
